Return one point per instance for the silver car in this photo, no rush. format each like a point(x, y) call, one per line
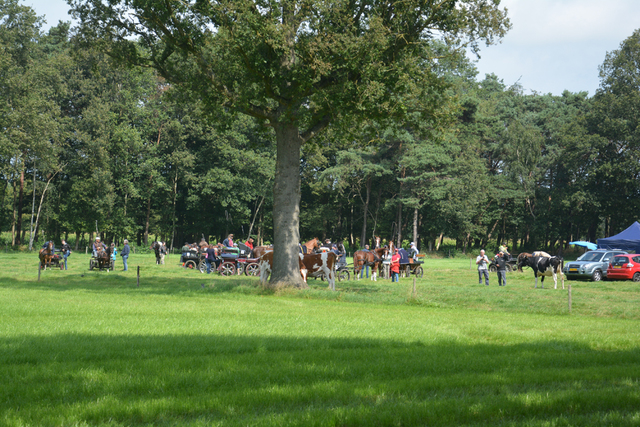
point(592, 264)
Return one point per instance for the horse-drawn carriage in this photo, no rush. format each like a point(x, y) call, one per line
point(194, 260)
point(512, 264)
point(236, 261)
point(413, 267)
point(233, 261)
point(48, 257)
point(102, 260)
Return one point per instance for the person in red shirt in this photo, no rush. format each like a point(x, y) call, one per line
point(395, 266)
point(249, 243)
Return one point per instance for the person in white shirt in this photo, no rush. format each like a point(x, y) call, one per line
point(482, 261)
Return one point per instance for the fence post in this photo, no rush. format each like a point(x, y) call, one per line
point(569, 298)
point(39, 269)
point(138, 276)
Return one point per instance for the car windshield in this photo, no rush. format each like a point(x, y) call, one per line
point(619, 260)
point(591, 256)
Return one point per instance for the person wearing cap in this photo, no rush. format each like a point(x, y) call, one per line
point(413, 251)
point(66, 251)
point(98, 245)
point(501, 264)
point(125, 254)
point(395, 266)
point(249, 243)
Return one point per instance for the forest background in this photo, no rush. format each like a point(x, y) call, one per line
point(88, 145)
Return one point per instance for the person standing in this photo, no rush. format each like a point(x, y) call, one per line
point(66, 251)
point(501, 263)
point(163, 252)
point(211, 258)
point(114, 252)
point(482, 261)
point(395, 266)
point(366, 264)
point(125, 254)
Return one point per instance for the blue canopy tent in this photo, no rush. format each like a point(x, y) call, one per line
point(588, 245)
point(628, 240)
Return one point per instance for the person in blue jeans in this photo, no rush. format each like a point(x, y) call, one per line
point(125, 254)
point(66, 251)
point(211, 259)
point(366, 248)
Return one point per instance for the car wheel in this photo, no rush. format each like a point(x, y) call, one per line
point(597, 276)
point(636, 277)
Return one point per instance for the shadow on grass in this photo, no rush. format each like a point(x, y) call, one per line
point(266, 380)
point(120, 282)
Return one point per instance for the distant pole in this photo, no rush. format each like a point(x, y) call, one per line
point(569, 299)
point(138, 276)
point(414, 286)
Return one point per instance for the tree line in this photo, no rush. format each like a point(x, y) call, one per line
point(90, 144)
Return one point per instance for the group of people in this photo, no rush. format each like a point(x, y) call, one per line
point(500, 259)
point(210, 252)
point(96, 246)
point(99, 246)
point(397, 256)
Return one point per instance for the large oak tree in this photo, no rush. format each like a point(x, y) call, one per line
point(295, 65)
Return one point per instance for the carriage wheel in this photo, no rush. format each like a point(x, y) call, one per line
point(61, 266)
point(252, 269)
point(509, 268)
point(190, 264)
point(407, 271)
point(493, 268)
point(227, 269)
point(418, 272)
point(91, 264)
point(344, 275)
point(202, 267)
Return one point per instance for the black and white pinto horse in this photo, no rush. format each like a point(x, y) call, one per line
point(544, 266)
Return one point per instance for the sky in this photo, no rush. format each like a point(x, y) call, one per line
point(553, 46)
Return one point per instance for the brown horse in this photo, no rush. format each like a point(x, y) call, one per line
point(46, 254)
point(372, 258)
point(312, 245)
point(103, 257)
point(258, 251)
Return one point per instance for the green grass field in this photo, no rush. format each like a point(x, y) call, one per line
point(81, 348)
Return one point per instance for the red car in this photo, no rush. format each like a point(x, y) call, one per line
point(626, 267)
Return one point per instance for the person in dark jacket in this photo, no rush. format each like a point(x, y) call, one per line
point(125, 254)
point(501, 264)
point(211, 259)
point(66, 251)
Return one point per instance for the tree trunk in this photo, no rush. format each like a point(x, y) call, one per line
point(33, 209)
point(20, 200)
point(415, 226)
point(286, 208)
point(175, 196)
point(146, 224)
point(365, 213)
point(399, 221)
